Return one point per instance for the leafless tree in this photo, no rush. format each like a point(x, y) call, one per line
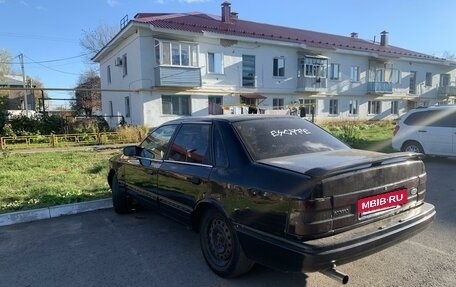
point(5, 62)
point(93, 41)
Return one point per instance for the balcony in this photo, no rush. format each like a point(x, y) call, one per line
point(447, 91)
point(312, 84)
point(380, 87)
point(177, 76)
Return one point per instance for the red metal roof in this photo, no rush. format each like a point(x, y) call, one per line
point(200, 22)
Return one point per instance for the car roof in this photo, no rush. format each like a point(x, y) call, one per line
point(228, 118)
point(438, 107)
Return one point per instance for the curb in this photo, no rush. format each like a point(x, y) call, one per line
point(53, 211)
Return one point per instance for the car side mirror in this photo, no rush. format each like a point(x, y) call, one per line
point(130, 150)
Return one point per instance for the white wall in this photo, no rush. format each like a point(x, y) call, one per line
point(146, 107)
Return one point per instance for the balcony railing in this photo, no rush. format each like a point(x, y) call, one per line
point(312, 84)
point(447, 91)
point(380, 87)
point(168, 76)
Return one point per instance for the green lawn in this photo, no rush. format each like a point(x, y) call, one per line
point(43, 179)
point(370, 135)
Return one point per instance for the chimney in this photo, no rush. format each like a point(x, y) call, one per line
point(226, 12)
point(354, 35)
point(384, 39)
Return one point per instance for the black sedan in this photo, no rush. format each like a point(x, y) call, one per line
point(279, 191)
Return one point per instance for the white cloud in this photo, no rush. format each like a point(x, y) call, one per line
point(112, 3)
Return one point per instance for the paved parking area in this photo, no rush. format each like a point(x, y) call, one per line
point(101, 248)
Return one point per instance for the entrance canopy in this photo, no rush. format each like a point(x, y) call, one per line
point(253, 96)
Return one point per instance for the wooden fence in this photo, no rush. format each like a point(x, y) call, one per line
point(67, 140)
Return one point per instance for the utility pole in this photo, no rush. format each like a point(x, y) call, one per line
point(21, 58)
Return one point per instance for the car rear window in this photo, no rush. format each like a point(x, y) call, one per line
point(433, 118)
point(277, 137)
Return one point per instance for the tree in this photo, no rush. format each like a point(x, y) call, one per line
point(88, 95)
point(5, 62)
point(449, 56)
point(94, 40)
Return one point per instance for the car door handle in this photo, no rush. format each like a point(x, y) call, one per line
point(422, 131)
point(194, 180)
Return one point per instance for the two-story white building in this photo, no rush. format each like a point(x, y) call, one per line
point(163, 65)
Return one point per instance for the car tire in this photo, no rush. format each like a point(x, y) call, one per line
point(220, 246)
point(120, 200)
point(412, 146)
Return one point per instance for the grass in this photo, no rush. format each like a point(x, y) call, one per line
point(368, 135)
point(43, 179)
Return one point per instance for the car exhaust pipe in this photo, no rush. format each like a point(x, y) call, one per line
point(336, 275)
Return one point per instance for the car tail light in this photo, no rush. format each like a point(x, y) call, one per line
point(396, 129)
point(308, 218)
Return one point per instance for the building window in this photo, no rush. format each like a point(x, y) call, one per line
point(176, 105)
point(124, 65)
point(395, 76)
point(315, 67)
point(353, 107)
point(108, 73)
point(335, 71)
point(374, 107)
point(428, 82)
point(354, 73)
point(278, 67)
point(248, 71)
point(127, 107)
point(310, 105)
point(215, 105)
point(176, 53)
point(412, 83)
point(395, 107)
point(214, 63)
point(111, 109)
point(333, 107)
point(277, 103)
point(444, 80)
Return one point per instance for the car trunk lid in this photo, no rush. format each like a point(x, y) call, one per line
point(355, 187)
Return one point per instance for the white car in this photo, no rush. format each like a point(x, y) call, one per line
point(431, 131)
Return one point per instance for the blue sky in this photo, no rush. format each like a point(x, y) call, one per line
point(47, 32)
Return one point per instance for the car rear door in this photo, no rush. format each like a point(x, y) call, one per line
point(183, 177)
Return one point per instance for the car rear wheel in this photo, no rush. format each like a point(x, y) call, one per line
point(120, 199)
point(220, 246)
point(412, 146)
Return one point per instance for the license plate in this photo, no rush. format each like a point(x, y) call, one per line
point(382, 201)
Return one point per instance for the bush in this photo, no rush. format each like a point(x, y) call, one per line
point(347, 131)
point(132, 133)
point(89, 125)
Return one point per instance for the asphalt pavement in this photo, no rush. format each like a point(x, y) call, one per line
point(101, 248)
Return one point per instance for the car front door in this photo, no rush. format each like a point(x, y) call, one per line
point(142, 169)
point(184, 174)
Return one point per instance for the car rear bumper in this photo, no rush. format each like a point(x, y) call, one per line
point(319, 254)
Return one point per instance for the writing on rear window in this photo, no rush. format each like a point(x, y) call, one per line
point(289, 132)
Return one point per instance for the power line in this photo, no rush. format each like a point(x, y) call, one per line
point(47, 61)
point(52, 69)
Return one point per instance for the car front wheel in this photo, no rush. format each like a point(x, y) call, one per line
point(220, 246)
point(412, 146)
